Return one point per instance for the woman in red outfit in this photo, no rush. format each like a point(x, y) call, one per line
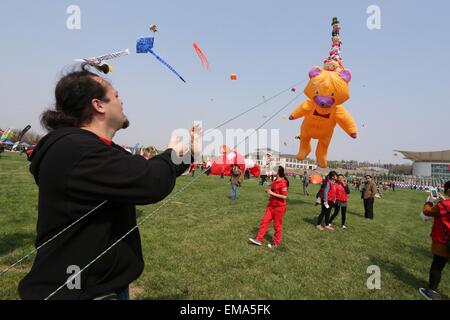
point(342, 191)
point(275, 210)
point(440, 236)
point(328, 199)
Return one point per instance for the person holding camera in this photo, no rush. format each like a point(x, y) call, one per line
point(437, 207)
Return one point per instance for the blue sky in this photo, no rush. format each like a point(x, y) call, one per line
point(398, 90)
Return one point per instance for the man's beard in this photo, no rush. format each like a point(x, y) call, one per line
point(126, 123)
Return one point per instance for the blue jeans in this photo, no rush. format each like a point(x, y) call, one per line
point(234, 191)
point(123, 294)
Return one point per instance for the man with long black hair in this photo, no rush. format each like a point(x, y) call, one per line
point(91, 184)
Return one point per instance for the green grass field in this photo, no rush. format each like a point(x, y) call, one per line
point(196, 246)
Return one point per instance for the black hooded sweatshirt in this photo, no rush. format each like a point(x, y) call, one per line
point(76, 172)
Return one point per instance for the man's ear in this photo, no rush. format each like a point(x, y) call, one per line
point(98, 106)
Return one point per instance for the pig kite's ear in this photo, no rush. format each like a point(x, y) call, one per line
point(346, 75)
point(314, 72)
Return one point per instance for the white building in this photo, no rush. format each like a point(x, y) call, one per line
point(289, 161)
point(434, 164)
point(267, 158)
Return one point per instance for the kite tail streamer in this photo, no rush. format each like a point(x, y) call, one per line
point(166, 64)
point(202, 56)
point(334, 61)
point(115, 55)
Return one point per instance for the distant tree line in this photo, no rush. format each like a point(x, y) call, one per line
point(402, 169)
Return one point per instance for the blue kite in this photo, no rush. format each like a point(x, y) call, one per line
point(145, 45)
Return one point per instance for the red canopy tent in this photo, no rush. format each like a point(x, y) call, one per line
point(222, 164)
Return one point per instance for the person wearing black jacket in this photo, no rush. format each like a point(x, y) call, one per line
point(78, 170)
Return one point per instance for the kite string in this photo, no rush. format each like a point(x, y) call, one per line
point(52, 238)
point(270, 118)
point(15, 170)
point(256, 106)
point(161, 206)
point(124, 236)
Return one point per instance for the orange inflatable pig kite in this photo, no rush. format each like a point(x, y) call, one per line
point(327, 90)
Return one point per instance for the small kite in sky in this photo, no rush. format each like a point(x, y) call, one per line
point(154, 28)
point(202, 56)
point(98, 62)
point(145, 45)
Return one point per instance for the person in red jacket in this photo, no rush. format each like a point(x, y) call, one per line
point(328, 196)
point(440, 235)
point(275, 210)
point(342, 192)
